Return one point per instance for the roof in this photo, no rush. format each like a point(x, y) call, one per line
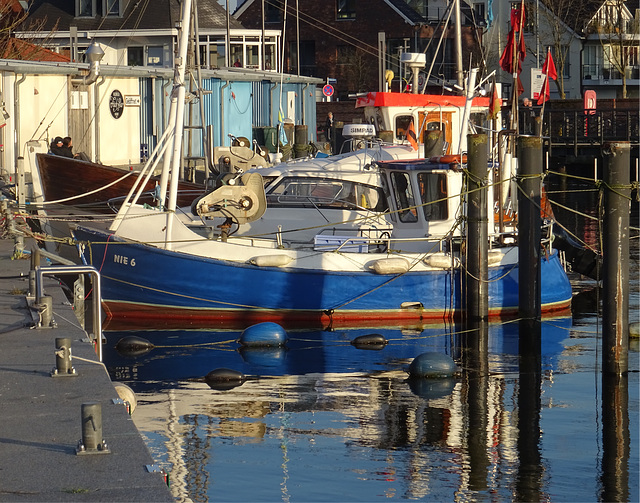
point(138, 15)
point(407, 12)
point(27, 51)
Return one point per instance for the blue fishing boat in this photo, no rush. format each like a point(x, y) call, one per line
point(390, 246)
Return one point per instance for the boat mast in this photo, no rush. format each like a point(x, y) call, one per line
point(177, 104)
point(458, 41)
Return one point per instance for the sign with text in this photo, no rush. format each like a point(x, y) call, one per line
point(537, 80)
point(132, 100)
point(116, 104)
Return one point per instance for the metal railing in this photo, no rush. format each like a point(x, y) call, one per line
point(50, 270)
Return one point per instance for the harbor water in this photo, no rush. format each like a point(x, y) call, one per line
point(323, 420)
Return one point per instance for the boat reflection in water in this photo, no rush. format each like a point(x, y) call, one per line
point(179, 355)
point(321, 420)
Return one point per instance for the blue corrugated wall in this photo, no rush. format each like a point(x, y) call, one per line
point(231, 107)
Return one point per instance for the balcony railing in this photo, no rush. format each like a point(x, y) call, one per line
point(600, 72)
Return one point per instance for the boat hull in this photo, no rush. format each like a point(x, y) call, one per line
point(64, 178)
point(145, 282)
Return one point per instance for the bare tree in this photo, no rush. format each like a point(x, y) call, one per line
point(13, 19)
point(618, 33)
point(564, 21)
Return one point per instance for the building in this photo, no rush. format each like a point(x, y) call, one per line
point(117, 112)
point(610, 64)
point(136, 33)
point(338, 41)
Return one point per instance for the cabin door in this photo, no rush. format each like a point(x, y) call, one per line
point(436, 120)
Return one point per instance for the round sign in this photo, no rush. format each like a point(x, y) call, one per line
point(116, 104)
point(327, 90)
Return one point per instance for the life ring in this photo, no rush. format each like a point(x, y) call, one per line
point(450, 159)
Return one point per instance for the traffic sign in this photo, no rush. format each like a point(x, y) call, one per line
point(327, 90)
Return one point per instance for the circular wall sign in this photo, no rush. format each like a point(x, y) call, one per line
point(116, 104)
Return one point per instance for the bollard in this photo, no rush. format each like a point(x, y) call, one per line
point(476, 282)
point(63, 366)
point(92, 441)
point(45, 309)
point(615, 258)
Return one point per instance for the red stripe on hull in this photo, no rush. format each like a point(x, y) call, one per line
point(123, 315)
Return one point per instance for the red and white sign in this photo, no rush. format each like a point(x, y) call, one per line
point(327, 90)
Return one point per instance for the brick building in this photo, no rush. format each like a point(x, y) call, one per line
point(339, 39)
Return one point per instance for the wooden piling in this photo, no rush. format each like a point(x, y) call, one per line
point(476, 281)
point(615, 251)
point(529, 225)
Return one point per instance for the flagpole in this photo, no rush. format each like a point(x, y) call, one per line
point(514, 67)
point(544, 101)
point(544, 89)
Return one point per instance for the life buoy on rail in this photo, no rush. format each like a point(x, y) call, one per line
point(450, 159)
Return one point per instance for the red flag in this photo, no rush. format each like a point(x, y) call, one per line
point(411, 136)
point(544, 92)
point(495, 103)
point(549, 67)
point(506, 60)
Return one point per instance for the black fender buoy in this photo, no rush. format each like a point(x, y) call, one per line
point(432, 364)
point(370, 341)
point(224, 379)
point(266, 334)
point(133, 346)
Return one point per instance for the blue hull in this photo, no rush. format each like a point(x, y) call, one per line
point(142, 281)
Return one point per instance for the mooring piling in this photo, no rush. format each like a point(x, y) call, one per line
point(476, 281)
point(615, 256)
point(529, 225)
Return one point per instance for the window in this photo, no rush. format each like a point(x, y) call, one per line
point(404, 197)
point(112, 8)
point(308, 192)
point(135, 56)
point(529, 15)
point(565, 50)
point(273, 11)
point(85, 8)
point(478, 14)
point(402, 124)
point(155, 56)
point(433, 192)
point(345, 9)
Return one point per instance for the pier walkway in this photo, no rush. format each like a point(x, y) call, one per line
point(41, 415)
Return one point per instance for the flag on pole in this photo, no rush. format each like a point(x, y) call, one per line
point(282, 136)
point(495, 102)
point(549, 70)
point(411, 136)
point(508, 58)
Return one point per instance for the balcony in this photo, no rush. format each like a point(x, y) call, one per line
point(594, 75)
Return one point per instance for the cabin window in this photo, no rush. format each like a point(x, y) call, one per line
point(433, 193)
point(404, 197)
point(402, 125)
point(308, 192)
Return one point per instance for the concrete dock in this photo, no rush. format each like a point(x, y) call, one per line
point(41, 415)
